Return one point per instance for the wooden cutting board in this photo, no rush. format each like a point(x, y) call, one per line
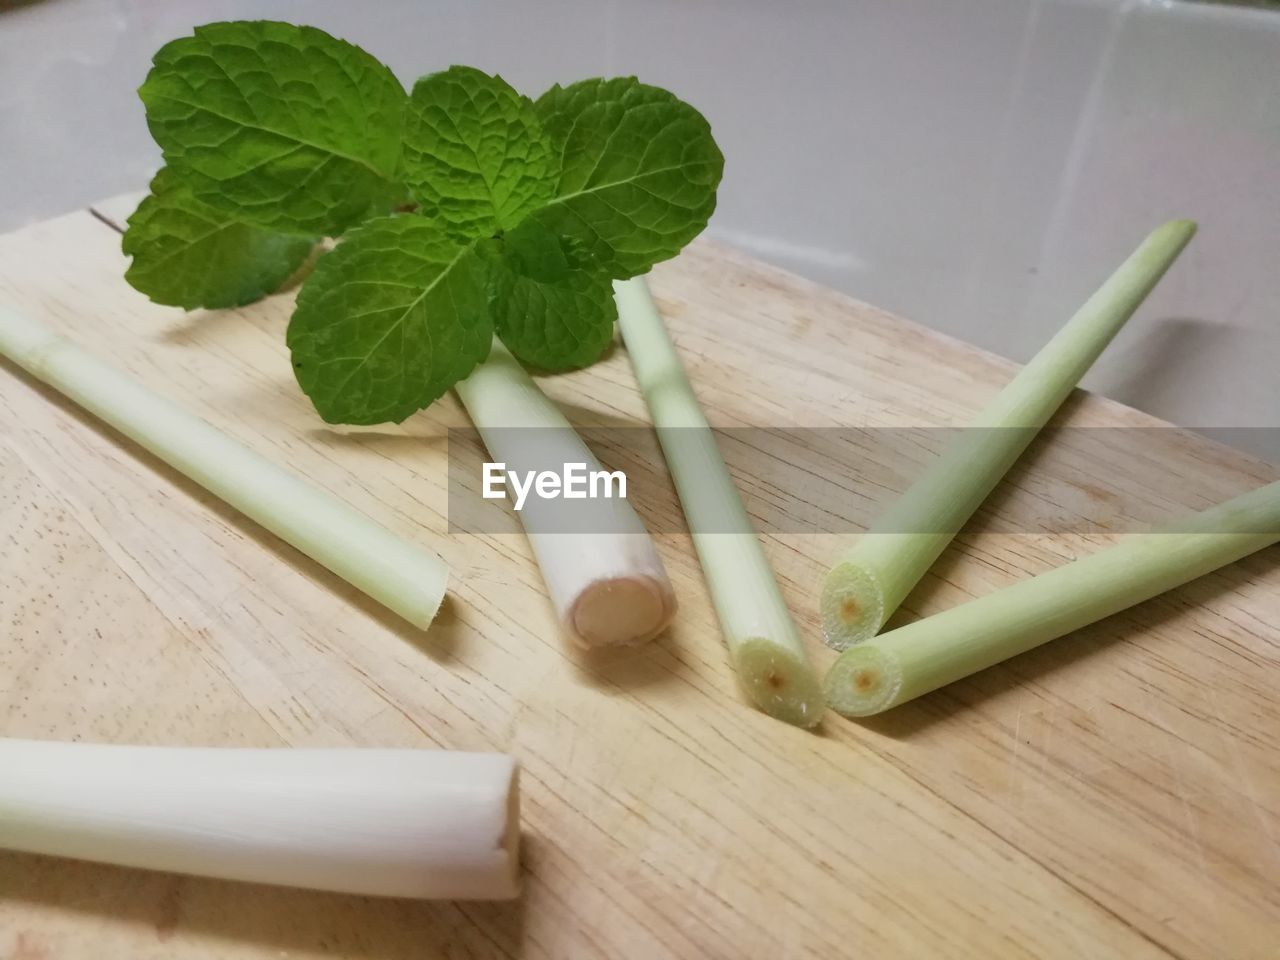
point(1116, 794)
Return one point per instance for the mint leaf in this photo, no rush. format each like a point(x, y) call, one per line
point(475, 156)
point(187, 254)
point(551, 308)
point(389, 320)
point(280, 126)
point(638, 171)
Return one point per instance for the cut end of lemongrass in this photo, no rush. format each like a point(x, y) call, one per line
point(622, 611)
point(779, 682)
point(851, 605)
point(865, 680)
point(421, 610)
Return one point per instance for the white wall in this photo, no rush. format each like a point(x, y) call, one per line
point(976, 166)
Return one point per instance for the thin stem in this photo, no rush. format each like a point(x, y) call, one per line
point(601, 567)
point(762, 638)
point(400, 575)
point(913, 660)
point(870, 580)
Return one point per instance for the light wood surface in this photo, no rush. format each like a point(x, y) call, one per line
point(1115, 794)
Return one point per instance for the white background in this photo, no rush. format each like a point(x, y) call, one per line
point(977, 166)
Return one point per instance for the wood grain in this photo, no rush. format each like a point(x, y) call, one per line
point(1111, 795)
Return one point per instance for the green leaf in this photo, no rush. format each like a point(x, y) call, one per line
point(638, 171)
point(475, 156)
point(389, 320)
point(187, 254)
point(551, 308)
point(280, 126)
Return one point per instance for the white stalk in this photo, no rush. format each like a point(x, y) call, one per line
point(403, 577)
point(872, 578)
point(602, 570)
point(913, 660)
point(430, 824)
point(762, 638)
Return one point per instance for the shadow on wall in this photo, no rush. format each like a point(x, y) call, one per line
point(1174, 352)
point(1268, 4)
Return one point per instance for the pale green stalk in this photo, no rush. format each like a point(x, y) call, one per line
point(607, 581)
point(762, 638)
point(431, 824)
point(403, 577)
point(913, 660)
point(872, 578)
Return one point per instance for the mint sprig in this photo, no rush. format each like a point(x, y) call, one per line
point(521, 213)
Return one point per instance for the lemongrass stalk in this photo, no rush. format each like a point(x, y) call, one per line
point(913, 660)
point(871, 579)
point(602, 570)
point(400, 575)
point(767, 653)
point(430, 824)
